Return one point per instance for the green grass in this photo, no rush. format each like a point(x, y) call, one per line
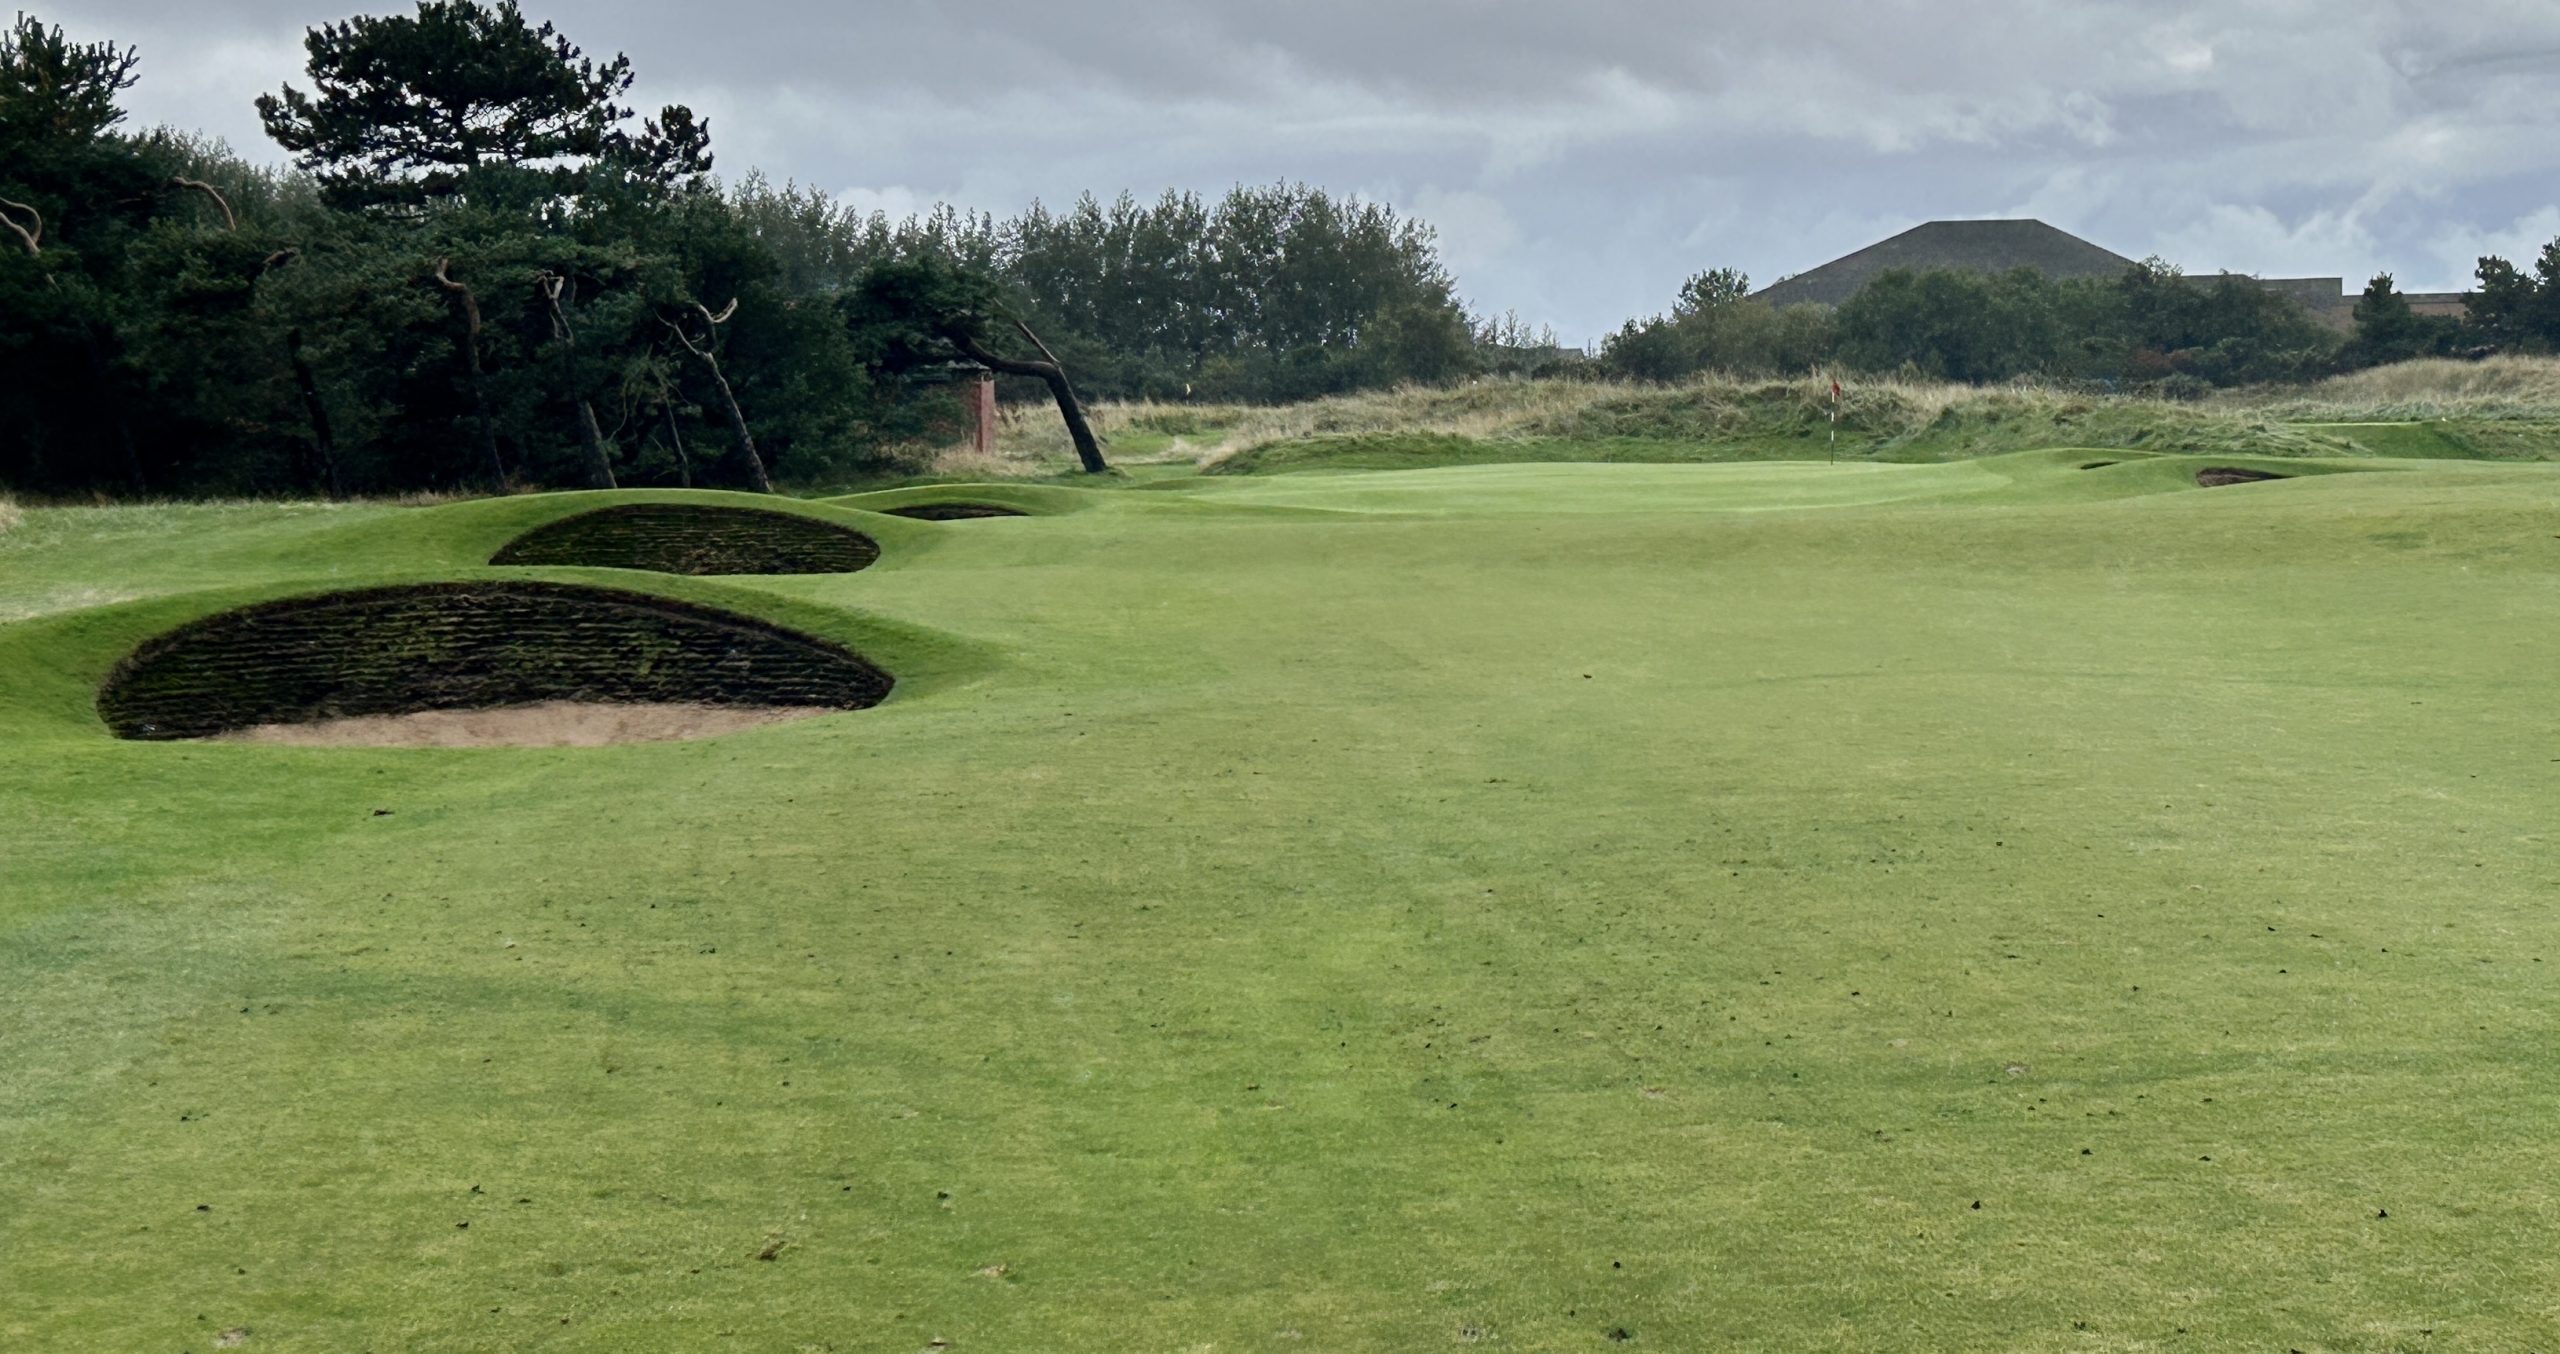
point(1978, 905)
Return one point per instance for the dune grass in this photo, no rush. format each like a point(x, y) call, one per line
point(2506, 408)
point(2497, 388)
point(1977, 905)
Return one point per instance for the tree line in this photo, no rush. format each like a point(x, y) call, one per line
point(484, 269)
point(2153, 329)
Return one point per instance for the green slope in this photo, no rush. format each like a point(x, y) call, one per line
point(1978, 905)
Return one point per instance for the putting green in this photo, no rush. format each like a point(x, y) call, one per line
point(1984, 905)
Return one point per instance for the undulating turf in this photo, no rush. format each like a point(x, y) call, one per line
point(1989, 905)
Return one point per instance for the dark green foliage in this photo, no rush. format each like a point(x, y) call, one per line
point(54, 91)
point(1714, 326)
point(411, 109)
point(2517, 311)
point(2388, 331)
point(193, 324)
point(1266, 294)
point(383, 318)
point(906, 316)
point(1952, 325)
point(2152, 327)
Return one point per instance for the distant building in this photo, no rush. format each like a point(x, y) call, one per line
point(1967, 246)
point(2001, 246)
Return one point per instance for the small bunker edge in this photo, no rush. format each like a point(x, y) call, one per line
point(693, 538)
point(2217, 476)
point(952, 512)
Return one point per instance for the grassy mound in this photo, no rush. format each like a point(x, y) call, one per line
point(693, 538)
point(466, 646)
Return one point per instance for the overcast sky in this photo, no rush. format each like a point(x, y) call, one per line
point(1580, 157)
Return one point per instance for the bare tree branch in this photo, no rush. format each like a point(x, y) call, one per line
point(1036, 343)
point(31, 237)
point(471, 364)
point(599, 460)
point(229, 221)
point(684, 338)
point(552, 285)
point(706, 352)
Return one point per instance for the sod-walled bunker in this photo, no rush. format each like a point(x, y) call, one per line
point(2223, 476)
point(692, 538)
point(459, 646)
point(953, 512)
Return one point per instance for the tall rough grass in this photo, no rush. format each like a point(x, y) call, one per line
point(1893, 416)
point(2497, 388)
point(1917, 418)
point(1914, 416)
point(10, 517)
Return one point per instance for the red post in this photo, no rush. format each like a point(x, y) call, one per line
point(982, 402)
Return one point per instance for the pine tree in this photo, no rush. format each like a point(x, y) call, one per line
point(412, 109)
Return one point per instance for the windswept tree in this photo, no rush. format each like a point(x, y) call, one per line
point(534, 194)
point(57, 89)
point(922, 315)
point(409, 109)
point(57, 104)
point(564, 338)
point(702, 340)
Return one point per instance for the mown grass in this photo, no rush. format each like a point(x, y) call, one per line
point(1987, 904)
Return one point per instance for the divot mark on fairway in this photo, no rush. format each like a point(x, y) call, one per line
point(478, 647)
point(2215, 477)
point(692, 538)
point(953, 512)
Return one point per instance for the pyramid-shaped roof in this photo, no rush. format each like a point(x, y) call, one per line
point(1971, 246)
